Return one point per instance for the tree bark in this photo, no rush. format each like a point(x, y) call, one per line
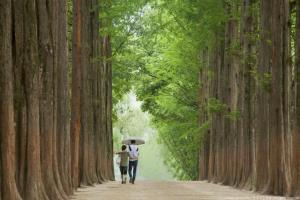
point(110, 166)
point(63, 112)
point(37, 159)
point(8, 184)
point(34, 188)
point(93, 68)
point(252, 152)
point(295, 138)
point(276, 173)
point(19, 92)
point(262, 109)
point(47, 53)
point(76, 90)
point(288, 96)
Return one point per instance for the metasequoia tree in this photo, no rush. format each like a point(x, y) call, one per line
point(62, 96)
point(7, 132)
point(90, 126)
point(294, 137)
point(38, 160)
point(261, 112)
point(253, 138)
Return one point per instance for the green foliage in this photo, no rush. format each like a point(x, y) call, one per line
point(123, 15)
point(156, 46)
point(151, 162)
point(133, 122)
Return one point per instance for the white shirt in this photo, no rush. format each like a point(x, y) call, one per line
point(134, 152)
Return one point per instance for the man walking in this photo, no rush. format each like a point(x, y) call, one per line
point(133, 161)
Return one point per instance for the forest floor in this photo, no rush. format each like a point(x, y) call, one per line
point(167, 190)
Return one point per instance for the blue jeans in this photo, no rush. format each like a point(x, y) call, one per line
point(132, 166)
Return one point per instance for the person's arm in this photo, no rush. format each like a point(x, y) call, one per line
point(129, 155)
point(133, 156)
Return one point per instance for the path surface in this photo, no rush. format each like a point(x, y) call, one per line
point(150, 190)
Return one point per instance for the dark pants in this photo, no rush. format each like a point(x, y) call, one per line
point(132, 166)
point(123, 170)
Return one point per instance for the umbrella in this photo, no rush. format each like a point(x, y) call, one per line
point(138, 141)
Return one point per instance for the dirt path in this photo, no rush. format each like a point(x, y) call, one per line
point(150, 190)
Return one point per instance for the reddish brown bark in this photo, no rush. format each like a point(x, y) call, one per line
point(275, 168)
point(258, 151)
point(246, 96)
point(99, 93)
point(295, 138)
point(34, 188)
point(76, 88)
point(109, 132)
point(288, 96)
point(94, 89)
point(203, 94)
point(19, 92)
point(90, 63)
point(7, 126)
point(63, 112)
point(47, 100)
point(262, 108)
point(36, 158)
point(84, 106)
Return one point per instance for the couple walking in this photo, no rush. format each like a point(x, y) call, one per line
point(131, 154)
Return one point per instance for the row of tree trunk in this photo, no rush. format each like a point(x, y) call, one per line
point(250, 94)
point(50, 143)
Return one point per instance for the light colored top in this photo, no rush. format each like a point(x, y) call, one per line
point(124, 155)
point(133, 152)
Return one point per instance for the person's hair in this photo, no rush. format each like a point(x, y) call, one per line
point(132, 141)
point(123, 147)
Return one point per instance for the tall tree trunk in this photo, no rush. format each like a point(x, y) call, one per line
point(37, 159)
point(87, 58)
point(95, 86)
point(85, 107)
point(247, 92)
point(212, 165)
point(295, 162)
point(103, 94)
point(19, 92)
point(109, 109)
point(76, 91)
point(287, 96)
point(47, 53)
point(231, 63)
point(98, 94)
point(203, 94)
point(53, 7)
point(8, 184)
point(262, 109)
point(275, 181)
point(63, 112)
point(34, 188)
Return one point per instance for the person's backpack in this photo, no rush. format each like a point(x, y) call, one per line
point(133, 152)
